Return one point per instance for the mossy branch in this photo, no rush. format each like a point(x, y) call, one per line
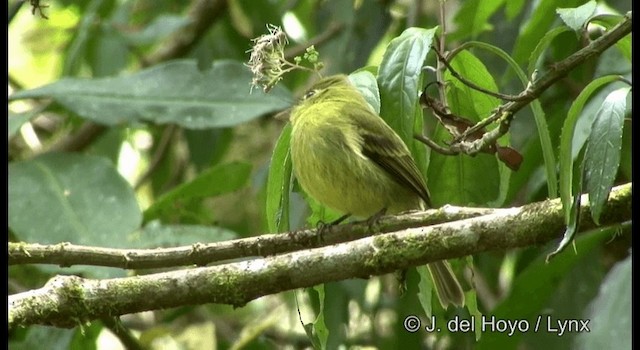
point(66, 301)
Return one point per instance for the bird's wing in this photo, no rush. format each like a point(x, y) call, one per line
point(395, 159)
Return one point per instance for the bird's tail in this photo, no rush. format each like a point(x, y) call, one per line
point(447, 286)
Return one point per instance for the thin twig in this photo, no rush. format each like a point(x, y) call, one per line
point(439, 67)
point(333, 30)
point(158, 155)
point(66, 254)
point(469, 83)
point(125, 336)
point(84, 137)
point(447, 151)
point(556, 72)
point(203, 14)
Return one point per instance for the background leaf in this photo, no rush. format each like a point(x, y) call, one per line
point(175, 92)
point(214, 181)
point(279, 184)
point(568, 147)
point(602, 156)
point(71, 198)
point(366, 83)
point(575, 18)
point(610, 312)
point(399, 77)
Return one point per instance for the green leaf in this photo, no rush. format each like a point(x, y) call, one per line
point(576, 18)
point(610, 312)
point(574, 212)
point(602, 156)
point(214, 181)
point(425, 290)
point(543, 130)
point(454, 179)
point(54, 338)
point(155, 234)
point(473, 17)
point(174, 92)
point(84, 34)
point(465, 101)
point(537, 26)
point(317, 330)
point(160, 28)
point(399, 78)
point(209, 146)
point(85, 337)
point(366, 83)
point(71, 198)
point(567, 151)
point(608, 21)
point(569, 300)
point(279, 184)
point(471, 302)
point(16, 120)
point(532, 290)
point(542, 45)
point(513, 8)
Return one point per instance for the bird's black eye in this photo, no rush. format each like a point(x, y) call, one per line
point(309, 94)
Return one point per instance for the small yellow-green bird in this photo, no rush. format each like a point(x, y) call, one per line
point(347, 158)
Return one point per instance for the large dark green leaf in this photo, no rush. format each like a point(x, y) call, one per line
point(454, 179)
point(71, 198)
point(610, 312)
point(463, 180)
point(55, 338)
point(569, 146)
point(608, 21)
point(16, 120)
point(602, 156)
point(366, 82)
point(473, 17)
point(160, 28)
point(214, 181)
point(537, 26)
point(576, 17)
point(156, 235)
point(174, 92)
point(532, 289)
point(279, 184)
point(399, 79)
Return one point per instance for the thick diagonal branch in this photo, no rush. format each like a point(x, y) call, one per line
point(69, 300)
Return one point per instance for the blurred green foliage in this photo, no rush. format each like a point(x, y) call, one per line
point(132, 125)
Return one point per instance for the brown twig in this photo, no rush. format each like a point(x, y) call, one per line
point(81, 139)
point(469, 83)
point(203, 14)
point(333, 30)
point(158, 155)
point(556, 72)
point(469, 142)
point(125, 336)
point(66, 254)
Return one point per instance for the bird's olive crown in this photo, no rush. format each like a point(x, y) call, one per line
point(324, 84)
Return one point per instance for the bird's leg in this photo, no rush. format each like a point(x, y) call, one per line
point(401, 278)
point(322, 226)
point(372, 221)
